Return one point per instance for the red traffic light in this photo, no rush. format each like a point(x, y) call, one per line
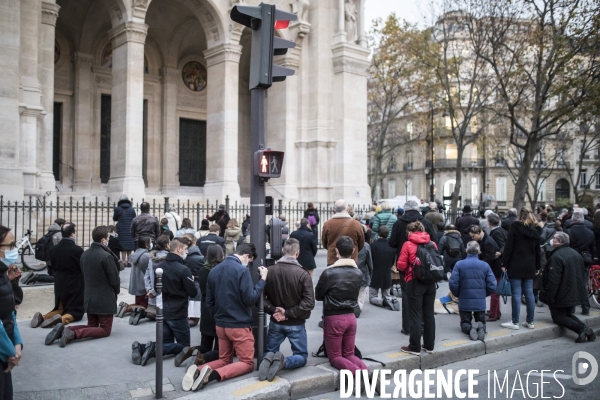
point(268, 163)
point(283, 24)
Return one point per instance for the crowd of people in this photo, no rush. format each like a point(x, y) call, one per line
point(384, 254)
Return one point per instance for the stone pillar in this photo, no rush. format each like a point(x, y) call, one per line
point(170, 138)
point(11, 177)
point(83, 123)
point(350, 64)
point(127, 110)
point(340, 35)
point(30, 107)
point(46, 74)
point(362, 40)
point(223, 62)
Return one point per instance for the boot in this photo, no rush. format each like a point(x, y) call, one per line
point(183, 355)
point(149, 352)
point(193, 322)
point(199, 358)
point(135, 318)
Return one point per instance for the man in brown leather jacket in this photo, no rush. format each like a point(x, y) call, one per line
point(289, 298)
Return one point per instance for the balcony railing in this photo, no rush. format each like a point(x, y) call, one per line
point(451, 163)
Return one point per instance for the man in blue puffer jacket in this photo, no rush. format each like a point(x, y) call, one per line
point(472, 281)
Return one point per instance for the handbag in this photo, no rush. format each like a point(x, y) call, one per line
point(503, 289)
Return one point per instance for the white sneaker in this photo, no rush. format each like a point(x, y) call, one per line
point(510, 325)
point(528, 325)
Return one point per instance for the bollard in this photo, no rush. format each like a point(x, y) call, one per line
point(159, 334)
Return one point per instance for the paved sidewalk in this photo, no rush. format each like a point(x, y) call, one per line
point(102, 368)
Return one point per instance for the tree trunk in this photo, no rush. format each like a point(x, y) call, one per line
point(524, 171)
point(458, 185)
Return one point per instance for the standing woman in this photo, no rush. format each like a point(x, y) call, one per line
point(312, 216)
point(10, 339)
point(232, 235)
point(421, 296)
point(124, 214)
point(186, 227)
point(521, 258)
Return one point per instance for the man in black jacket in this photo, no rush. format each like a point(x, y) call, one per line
point(68, 282)
point(396, 240)
point(562, 289)
point(489, 248)
point(583, 241)
point(178, 286)
point(511, 216)
point(145, 224)
point(499, 235)
point(220, 218)
point(289, 298)
point(212, 238)
point(464, 223)
point(308, 246)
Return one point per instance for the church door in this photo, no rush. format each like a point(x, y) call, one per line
point(192, 152)
point(105, 138)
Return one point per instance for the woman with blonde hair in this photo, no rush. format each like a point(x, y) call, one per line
point(521, 258)
point(233, 232)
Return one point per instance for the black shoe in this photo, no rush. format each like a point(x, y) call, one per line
point(585, 313)
point(277, 365)
point(137, 350)
point(149, 352)
point(321, 324)
point(591, 336)
point(183, 355)
point(581, 338)
point(27, 277)
point(263, 369)
point(402, 331)
point(54, 334)
point(136, 316)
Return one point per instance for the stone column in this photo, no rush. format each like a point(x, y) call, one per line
point(350, 64)
point(340, 35)
point(11, 177)
point(30, 107)
point(127, 110)
point(362, 40)
point(170, 138)
point(223, 62)
point(83, 122)
point(46, 74)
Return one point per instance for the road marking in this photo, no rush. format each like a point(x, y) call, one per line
point(255, 386)
point(396, 355)
point(559, 376)
point(498, 333)
point(454, 343)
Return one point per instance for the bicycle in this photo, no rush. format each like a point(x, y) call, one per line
point(594, 285)
point(24, 245)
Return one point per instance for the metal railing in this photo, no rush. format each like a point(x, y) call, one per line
point(37, 214)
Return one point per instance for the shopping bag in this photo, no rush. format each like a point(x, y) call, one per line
point(503, 288)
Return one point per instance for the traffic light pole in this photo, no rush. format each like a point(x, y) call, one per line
point(257, 208)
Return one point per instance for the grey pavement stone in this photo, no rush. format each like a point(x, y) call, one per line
point(22, 396)
point(452, 351)
point(137, 385)
point(245, 389)
point(141, 393)
point(309, 381)
point(46, 395)
point(121, 387)
point(71, 394)
point(166, 388)
point(94, 391)
point(506, 339)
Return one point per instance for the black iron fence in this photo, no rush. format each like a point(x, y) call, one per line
point(37, 214)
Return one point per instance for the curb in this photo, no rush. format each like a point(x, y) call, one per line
point(314, 380)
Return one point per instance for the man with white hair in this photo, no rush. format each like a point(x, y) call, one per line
point(341, 224)
point(472, 281)
point(570, 220)
point(562, 289)
point(483, 223)
point(511, 216)
point(582, 240)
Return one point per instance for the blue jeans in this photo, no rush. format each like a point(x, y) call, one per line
point(296, 334)
point(176, 330)
point(518, 287)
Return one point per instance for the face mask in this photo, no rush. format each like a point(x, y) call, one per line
point(10, 256)
point(551, 243)
point(151, 245)
point(184, 256)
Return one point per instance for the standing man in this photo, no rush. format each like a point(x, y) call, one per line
point(472, 281)
point(562, 289)
point(488, 246)
point(464, 223)
point(511, 216)
point(220, 218)
point(145, 225)
point(435, 218)
point(230, 295)
point(383, 218)
point(341, 224)
point(289, 298)
point(68, 282)
point(212, 238)
point(51, 239)
point(499, 235)
point(583, 241)
point(102, 285)
point(308, 246)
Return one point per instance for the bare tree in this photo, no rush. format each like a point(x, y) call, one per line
point(586, 144)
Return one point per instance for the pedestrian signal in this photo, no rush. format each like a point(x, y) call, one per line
point(268, 163)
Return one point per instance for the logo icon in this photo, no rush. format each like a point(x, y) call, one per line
point(583, 367)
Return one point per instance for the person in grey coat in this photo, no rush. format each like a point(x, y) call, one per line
point(365, 265)
point(102, 285)
point(137, 287)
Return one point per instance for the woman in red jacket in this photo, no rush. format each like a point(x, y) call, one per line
point(421, 296)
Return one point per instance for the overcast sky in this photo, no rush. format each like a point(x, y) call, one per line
point(407, 9)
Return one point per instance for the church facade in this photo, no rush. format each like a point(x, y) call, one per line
point(149, 98)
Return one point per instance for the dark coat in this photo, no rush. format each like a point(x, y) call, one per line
point(398, 234)
point(195, 262)
point(101, 277)
point(312, 211)
point(521, 256)
point(383, 260)
point(499, 235)
point(308, 247)
point(597, 239)
point(145, 225)
point(472, 281)
point(124, 214)
point(581, 239)
point(463, 224)
point(207, 322)
point(220, 218)
point(209, 239)
point(562, 279)
point(69, 287)
point(444, 248)
point(508, 221)
point(178, 286)
point(365, 264)
point(338, 287)
point(547, 232)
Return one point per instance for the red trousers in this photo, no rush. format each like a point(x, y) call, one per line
point(141, 301)
point(495, 304)
point(242, 341)
point(98, 326)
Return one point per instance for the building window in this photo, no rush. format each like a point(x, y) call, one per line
point(409, 187)
point(597, 180)
point(582, 179)
point(451, 151)
point(392, 165)
point(501, 188)
point(474, 189)
point(409, 130)
point(391, 189)
point(542, 191)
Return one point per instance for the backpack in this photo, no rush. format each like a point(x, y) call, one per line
point(322, 352)
point(312, 220)
point(428, 267)
point(43, 246)
point(453, 246)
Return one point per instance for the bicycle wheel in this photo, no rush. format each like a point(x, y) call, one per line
point(594, 294)
point(35, 266)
